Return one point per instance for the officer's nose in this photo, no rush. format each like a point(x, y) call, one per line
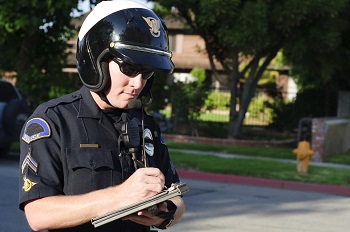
point(137, 82)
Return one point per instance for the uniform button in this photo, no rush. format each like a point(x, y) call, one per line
point(126, 169)
point(92, 163)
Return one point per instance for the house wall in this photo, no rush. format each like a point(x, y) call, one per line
point(189, 52)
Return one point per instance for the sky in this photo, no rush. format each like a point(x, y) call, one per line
point(84, 5)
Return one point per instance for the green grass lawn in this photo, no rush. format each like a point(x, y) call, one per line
point(342, 158)
point(274, 152)
point(258, 168)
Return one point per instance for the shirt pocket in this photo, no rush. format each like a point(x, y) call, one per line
point(88, 170)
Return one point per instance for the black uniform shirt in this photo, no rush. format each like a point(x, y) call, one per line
point(69, 146)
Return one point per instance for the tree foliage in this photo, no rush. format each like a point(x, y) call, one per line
point(33, 43)
point(160, 88)
point(244, 36)
point(322, 54)
point(188, 98)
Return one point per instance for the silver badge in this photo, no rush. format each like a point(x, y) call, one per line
point(149, 147)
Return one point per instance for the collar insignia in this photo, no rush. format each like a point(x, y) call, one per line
point(35, 129)
point(154, 25)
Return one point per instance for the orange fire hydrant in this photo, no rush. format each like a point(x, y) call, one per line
point(303, 153)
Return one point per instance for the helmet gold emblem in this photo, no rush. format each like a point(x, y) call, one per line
point(154, 25)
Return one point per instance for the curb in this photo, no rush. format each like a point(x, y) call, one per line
point(269, 183)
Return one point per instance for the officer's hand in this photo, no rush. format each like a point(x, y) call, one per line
point(144, 183)
point(146, 218)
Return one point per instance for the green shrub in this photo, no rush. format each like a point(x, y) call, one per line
point(260, 109)
point(188, 98)
point(217, 100)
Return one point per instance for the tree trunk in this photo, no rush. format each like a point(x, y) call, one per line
point(255, 72)
point(234, 79)
point(247, 94)
point(232, 130)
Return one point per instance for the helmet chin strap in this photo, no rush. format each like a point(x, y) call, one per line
point(149, 92)
point(104, 98)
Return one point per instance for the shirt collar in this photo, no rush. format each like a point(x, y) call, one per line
point(88, 107)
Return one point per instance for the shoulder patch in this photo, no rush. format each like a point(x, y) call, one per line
point(36, 128)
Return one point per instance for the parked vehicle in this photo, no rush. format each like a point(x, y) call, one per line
point(14, 111)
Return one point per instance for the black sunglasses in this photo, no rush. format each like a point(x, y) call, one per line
point(131, 70)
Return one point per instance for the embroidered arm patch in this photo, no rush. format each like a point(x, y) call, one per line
point(35, 129)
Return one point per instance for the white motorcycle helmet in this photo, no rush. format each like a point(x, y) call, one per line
point(126, 32)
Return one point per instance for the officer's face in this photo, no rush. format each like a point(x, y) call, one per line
point(123, 87)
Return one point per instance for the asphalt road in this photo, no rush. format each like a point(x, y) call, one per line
point(11, 218)
point(219, 207)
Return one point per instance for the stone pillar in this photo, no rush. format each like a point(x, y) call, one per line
point(317, 139)
point(329, 136)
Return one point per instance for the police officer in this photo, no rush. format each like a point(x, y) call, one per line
point(84, 154)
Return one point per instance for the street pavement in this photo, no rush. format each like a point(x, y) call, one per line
point(223, 207)
point(11, 218)
point(218, 206)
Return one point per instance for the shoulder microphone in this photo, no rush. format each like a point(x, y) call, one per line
point(135, 104)
point(138, 104)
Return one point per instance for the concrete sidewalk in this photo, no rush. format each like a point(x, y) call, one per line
point(270, 183)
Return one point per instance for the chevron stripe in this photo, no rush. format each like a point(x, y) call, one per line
point(30, 162)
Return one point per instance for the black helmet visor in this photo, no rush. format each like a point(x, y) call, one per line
point(143, 57)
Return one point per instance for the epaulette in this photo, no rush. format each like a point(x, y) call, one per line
point(61, 100)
